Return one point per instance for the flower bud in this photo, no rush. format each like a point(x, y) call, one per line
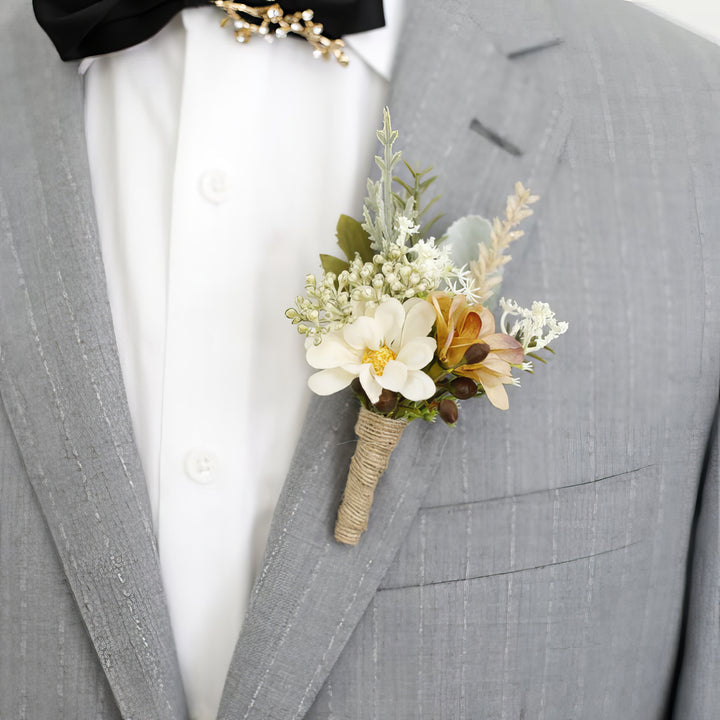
point(448, 411)
point(476, 353)
point(388, 401)
point(463, 388)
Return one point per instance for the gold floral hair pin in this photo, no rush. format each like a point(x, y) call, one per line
point(271, 21)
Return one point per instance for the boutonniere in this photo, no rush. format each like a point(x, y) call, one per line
point(408, 325)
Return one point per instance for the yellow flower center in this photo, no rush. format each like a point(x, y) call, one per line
point(379, 358)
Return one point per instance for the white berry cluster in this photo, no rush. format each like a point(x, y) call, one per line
point(400, 272)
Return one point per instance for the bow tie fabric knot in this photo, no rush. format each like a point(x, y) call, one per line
point(82, 28)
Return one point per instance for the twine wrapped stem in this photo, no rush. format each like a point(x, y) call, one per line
point(377, 437)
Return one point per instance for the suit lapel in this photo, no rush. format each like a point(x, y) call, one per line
point(451, 101)
point(312, 591)
point(483, 116)
point(60, 379)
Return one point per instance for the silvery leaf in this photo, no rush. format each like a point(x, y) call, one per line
point(463, 237)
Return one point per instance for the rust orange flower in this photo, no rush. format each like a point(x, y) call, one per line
point(460, 326)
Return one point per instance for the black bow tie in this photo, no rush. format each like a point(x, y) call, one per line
point(80, 28)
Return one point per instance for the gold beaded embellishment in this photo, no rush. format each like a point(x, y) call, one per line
point(275, 23)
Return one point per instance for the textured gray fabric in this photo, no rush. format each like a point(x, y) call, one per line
point(62, 390)
point(699, 695)
point(544, 574)
point(525, 564)
point(313, 591)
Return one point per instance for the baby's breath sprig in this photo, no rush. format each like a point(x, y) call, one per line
point(535, 328)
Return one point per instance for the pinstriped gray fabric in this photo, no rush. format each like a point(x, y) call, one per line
point(544, 574)
point(699, 696)
point(312, 591)
point(44, 643)
point(61, 386)
point(528, 563)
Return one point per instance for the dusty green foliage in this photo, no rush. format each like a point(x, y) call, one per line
point(416, 190)
point(387, 198)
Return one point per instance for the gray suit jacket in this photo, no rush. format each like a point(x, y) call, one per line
point(557, 561)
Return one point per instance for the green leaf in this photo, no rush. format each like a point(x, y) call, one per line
point(404, 185)
point(464, 237)
point(352, 238)
point(333, 264)
point(425, 229)
point(427, 183)
point(428, 206)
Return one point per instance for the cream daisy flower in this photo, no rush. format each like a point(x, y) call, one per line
point(386, 351)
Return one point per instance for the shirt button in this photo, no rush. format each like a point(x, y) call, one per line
point(200, 466)
point(215, 186)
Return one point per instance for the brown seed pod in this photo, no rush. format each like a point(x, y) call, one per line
point(463, 388)
point(476, 353)
point(448, 411)
point(388, 401)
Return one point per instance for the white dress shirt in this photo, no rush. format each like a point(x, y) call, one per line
point(219, 172)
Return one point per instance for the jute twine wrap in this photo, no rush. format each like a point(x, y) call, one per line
point(377, 438)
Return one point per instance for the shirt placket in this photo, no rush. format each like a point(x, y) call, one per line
point(206, 493)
